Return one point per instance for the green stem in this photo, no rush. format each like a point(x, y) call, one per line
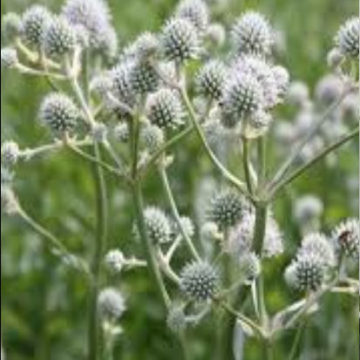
point(225, 172)
point(298, 172)
point(246, 160)
point(175, 211)
point(296, 341)
point(100, 245)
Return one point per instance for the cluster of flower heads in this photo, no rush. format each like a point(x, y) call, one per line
point(319, 255)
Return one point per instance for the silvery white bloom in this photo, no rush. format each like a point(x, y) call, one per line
point(157, 225)
point(176, 319)
point(195, 11)
point(145, 46)
point(334, 58)
point(347, 38)
point(298, 93)
point(252, 33)
point(216, 33)
point(9, 58)
point(111, 304)
point(329, 89)
point(114, 261)
point(9, 153)
point(152, 137)
point(346, 237)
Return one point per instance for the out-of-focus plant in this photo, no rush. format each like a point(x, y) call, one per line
point(124, 110)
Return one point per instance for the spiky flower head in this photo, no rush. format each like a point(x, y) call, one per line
point(306, 273)
point(282, 79)
point(199, 281)
point(101, 85)
point(111, 304)
point(143, 77)
point(158, 226)
point(252, 33)
point(121, 86)
point(226, 208)
point(9, 58)
point(176, 319)
point(210, 79)
point(334, 58)
point(347, 38)
point(34, 22)
point(143, 48)
point(329, 89)
point(164, 109)
point(179, 40)
point(59, 37)
point(92, 15)
point(9, 153)
point(114, 261)
point(307, 208)
point(346, 237)
point(195, 11)
point(10, 26)
point(152, 137)
point(318, 244)
point(59, 113)
point(241, 98)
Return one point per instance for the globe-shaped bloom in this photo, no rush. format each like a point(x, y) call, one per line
point(111, 304)
point(251, 33)
point(9, 58)
point(347, 38)
point(196, 11)
point(158, 226)
point(199, 281)
point(179, 40)
point(346, 237)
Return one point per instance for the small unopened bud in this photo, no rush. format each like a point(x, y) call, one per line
point(9, 153)
point(99, 132)
point(114, 261)
point(9, 58)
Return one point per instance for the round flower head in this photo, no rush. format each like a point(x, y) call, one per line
point(152, 137)
point(346, 237)
point(164, 109)
point(226, 208)
point(329, 89)
point(176, 319)
point(34, 22)
point(9, 153)
point(99, 132)
point(306, 273)
point(179, 40)
point(121, 86)
point(252, 34)
point(199, 281)
point(59, 112)
point(92, 15)
point(242, 96)
point(196, 11)
point(158, 226)
point(114, 261)
point(59, 37)
point(111, 304)
point(210, 79)
point(107, 44)
point(308, 207)
point(9, 58)
point(347, 38)
point(282, 79)
point(121, 132)
point(334, 58)
point(143, 77)
point(10, 26)
point(101, 85)
point(319, 245)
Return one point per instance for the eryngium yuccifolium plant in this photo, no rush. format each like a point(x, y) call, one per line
point(176, 319)
point(164, 109)
point(59, 37)
point(210, 79)
point(144, 77)
point(111, 304)
point(158, 226)
point(226, 208)
point(10, 26)
point(9, 57)
point(59, 113)
point(346, 237)
point(347, 38)
point(114, 261)
point(252, 34)
point(34, 23)
point(306, 273)
point(196, 11)
point(180, 41)
point(199, 281)
point(152, 137)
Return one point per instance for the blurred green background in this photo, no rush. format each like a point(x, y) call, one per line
point(43, 305)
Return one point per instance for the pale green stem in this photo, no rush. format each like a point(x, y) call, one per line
point(176, 214)
point(298, 172)
point(246, 160)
